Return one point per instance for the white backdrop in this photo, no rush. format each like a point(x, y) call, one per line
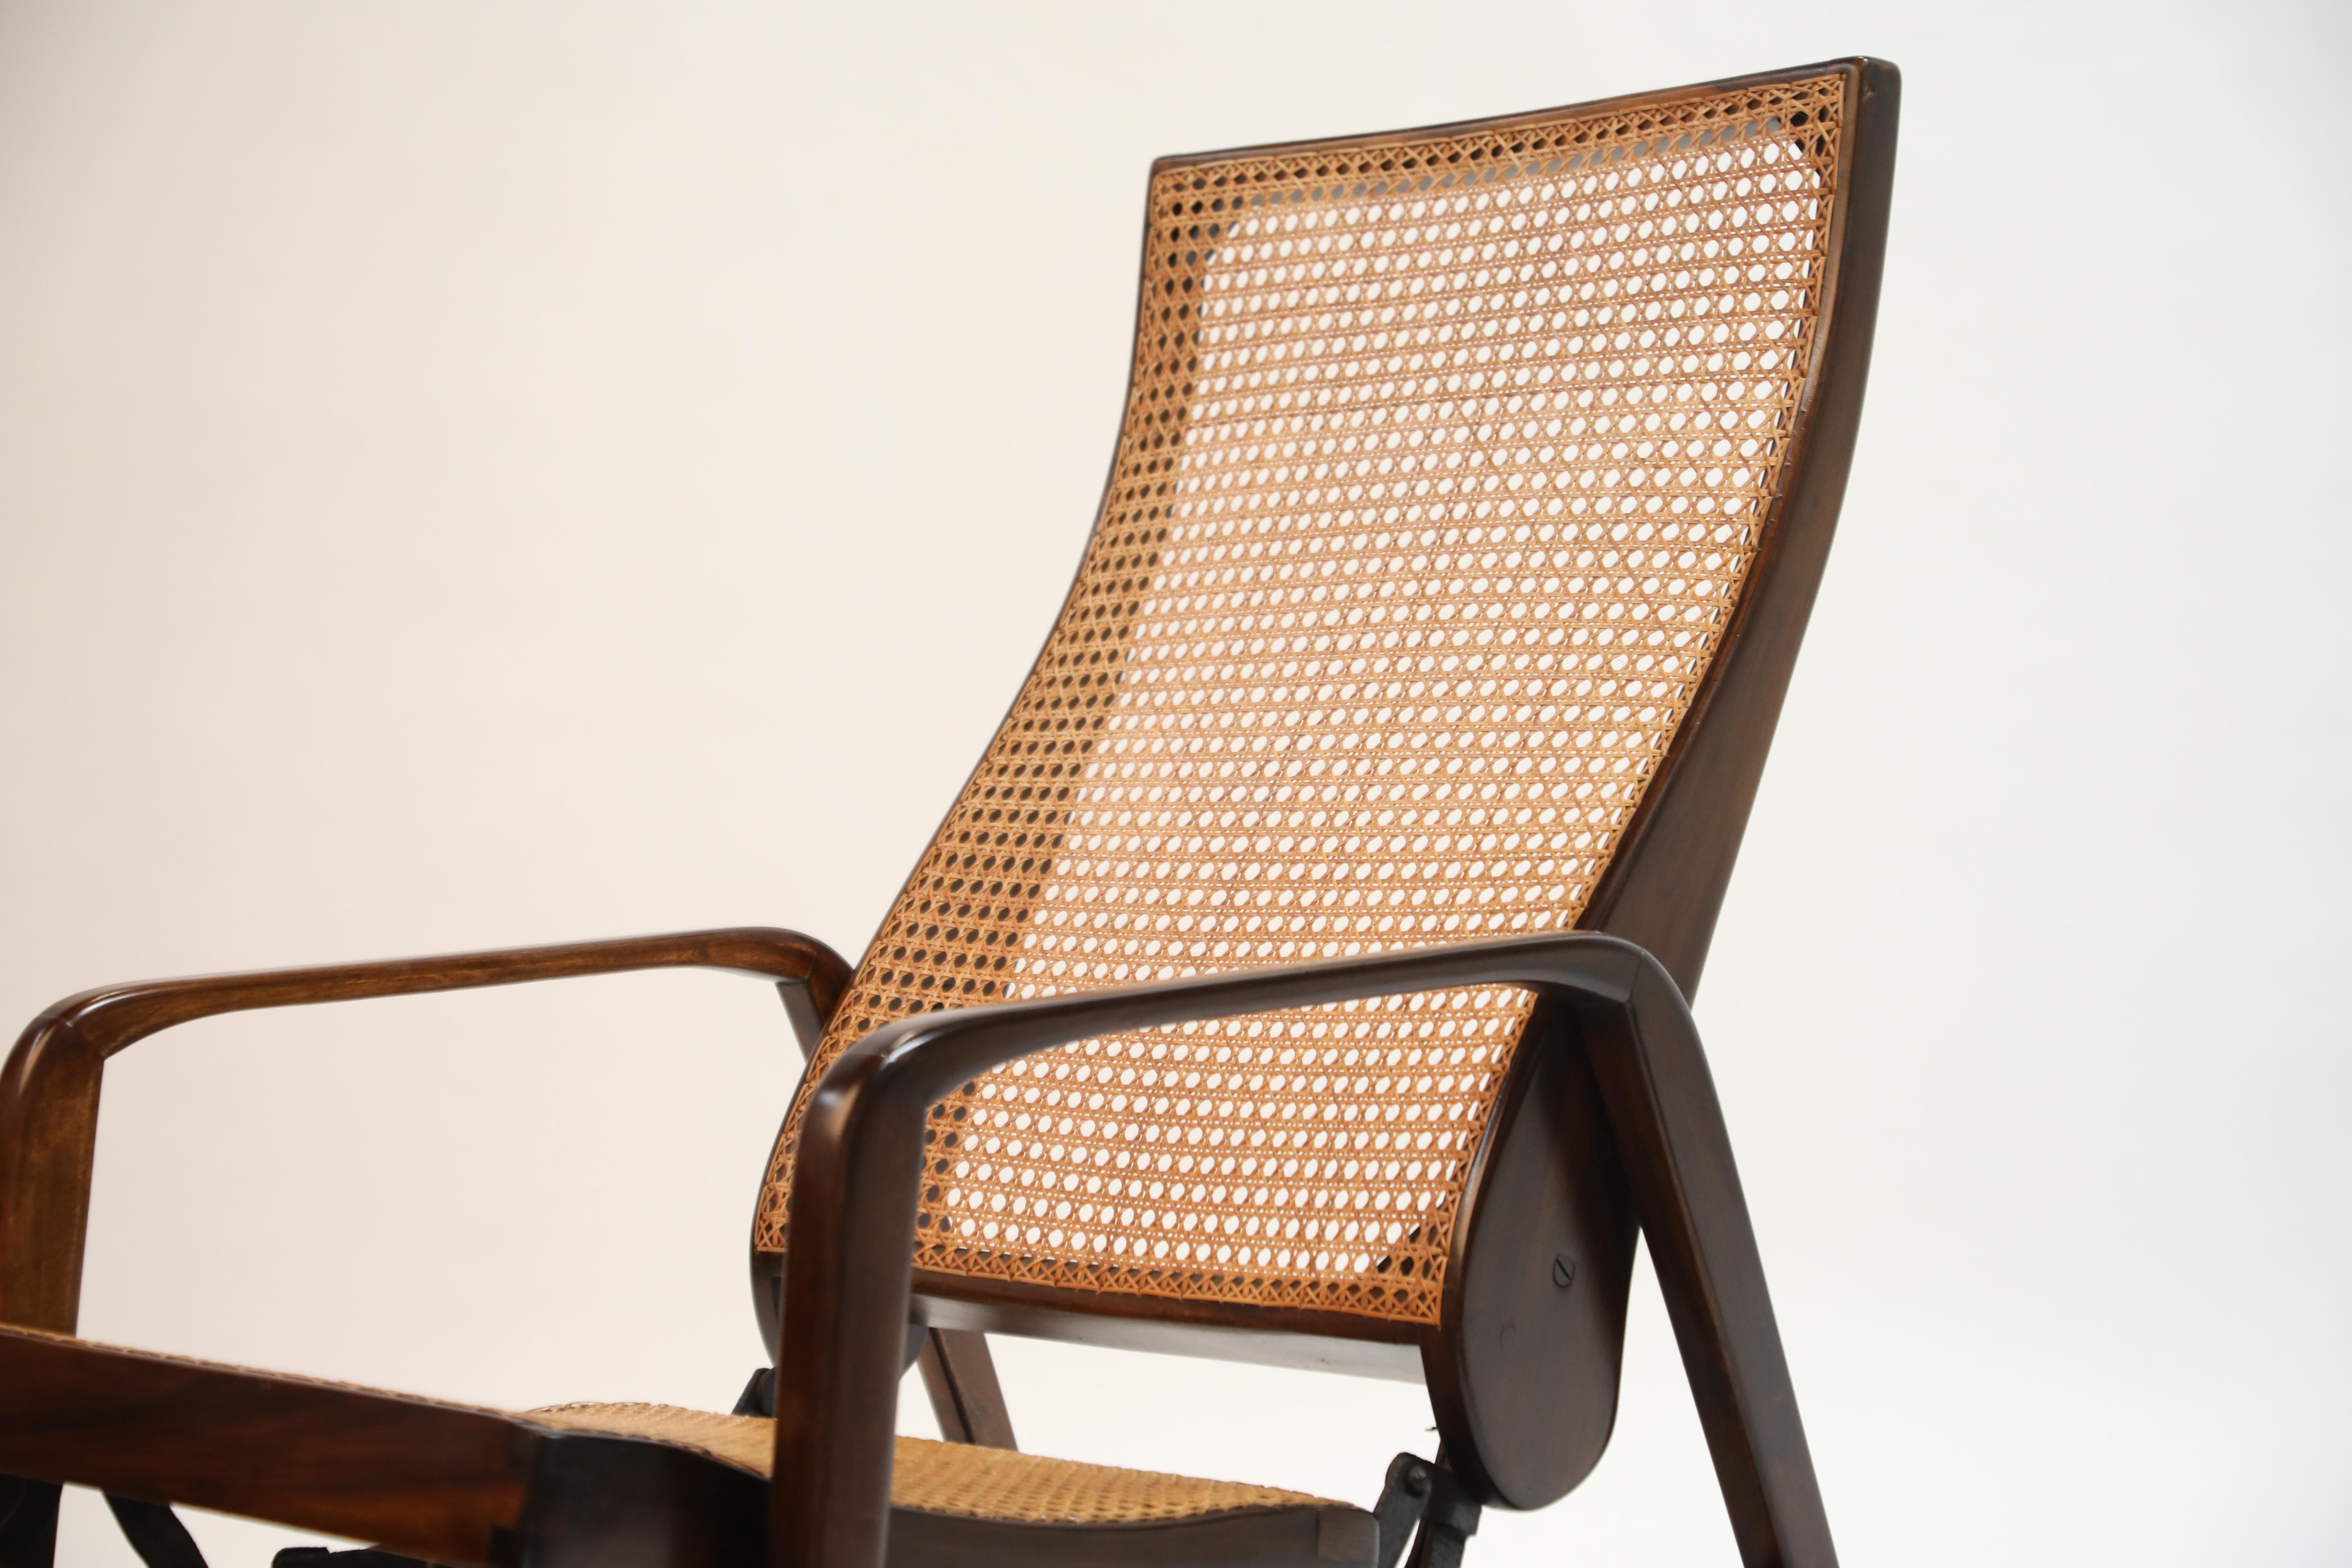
point(477, 475)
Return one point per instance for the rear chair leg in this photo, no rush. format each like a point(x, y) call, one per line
point(958, 1373)
point(960, 1377)
point(28, 1523)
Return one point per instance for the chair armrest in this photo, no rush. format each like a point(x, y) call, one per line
point(49, 1086)
point(438, 1480)
point(859, 1168)
point(446, 1482)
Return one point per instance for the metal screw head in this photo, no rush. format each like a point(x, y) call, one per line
point(1416, 1481)
point(1563, 1270)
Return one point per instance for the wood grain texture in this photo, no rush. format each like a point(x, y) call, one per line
point(49, 1085)
point(468, 1486)
point(438, 1480)
point(1523, 1372)
point(1678, 1161)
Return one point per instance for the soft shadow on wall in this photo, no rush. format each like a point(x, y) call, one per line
point(479, 476)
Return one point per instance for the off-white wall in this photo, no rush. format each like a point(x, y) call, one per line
point(474, 475)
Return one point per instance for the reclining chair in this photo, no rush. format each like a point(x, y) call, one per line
point(1302, 976)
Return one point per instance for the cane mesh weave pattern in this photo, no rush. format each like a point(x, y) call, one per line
point(952, 1478)
point(1443, 462)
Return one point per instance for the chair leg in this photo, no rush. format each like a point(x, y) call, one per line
point(28, 1523)
point(960, 1377)
point(958, 1373)
point(155, 1533)
point(1423, 1502)
point(1669, 1129)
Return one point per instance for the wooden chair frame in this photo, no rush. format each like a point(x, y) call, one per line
point(1611, 1062)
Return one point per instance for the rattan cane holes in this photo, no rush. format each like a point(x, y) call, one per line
point(1443, 467)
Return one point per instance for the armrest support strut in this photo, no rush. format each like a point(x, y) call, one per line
point(860, 1164)
point(49, 1086)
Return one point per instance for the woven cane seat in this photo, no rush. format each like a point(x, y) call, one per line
point(957, 1479)
point(945, 1482)
point(954, 1479)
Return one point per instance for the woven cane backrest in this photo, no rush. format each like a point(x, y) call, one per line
point(1445, 461)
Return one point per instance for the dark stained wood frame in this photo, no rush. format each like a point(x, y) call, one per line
point(959, 1374)
point(49, 1086)
point(1544, 1186)
point(1608, 1118)
point(434, 1479)
point(1661, 891)
point(440, 1480)
point(862, 1161)
point(462, 1486)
